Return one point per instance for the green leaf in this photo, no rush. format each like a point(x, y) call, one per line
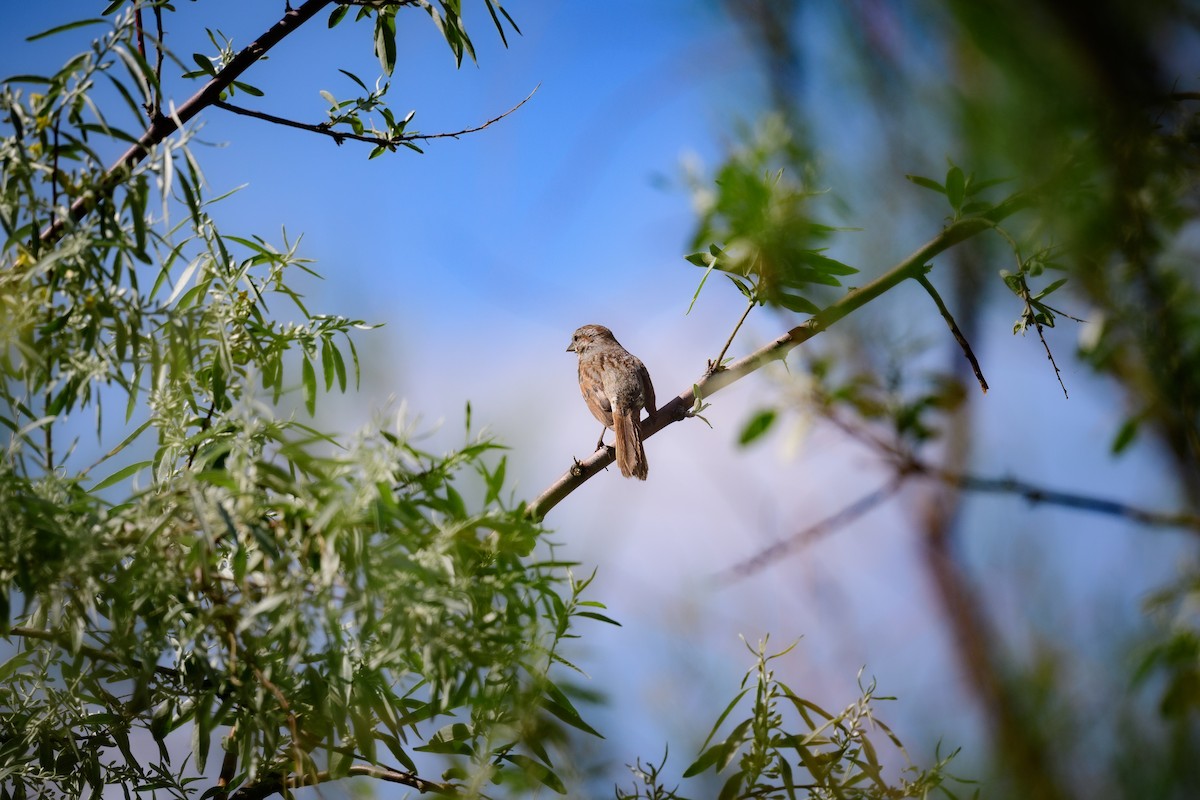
point(205, 64)
point(742, 286)
point(823, 263)
point(253, 91)
point(956, 185)
point(927, 183)
point(974, 188)
point(557, 704)
point(67, 27)
point(733, 787)
point(354, 77)
point(758, 425)
point(385, 41)
point(309, 379)
point(801, 305)
point(328, 369)
point(597, 616)
point(339, 368)
point(538, 771)
point(452, 739)
point(706, 760)
point(728, 708)
point(1125, 435)
point(339, 764)
point(122, 473)
point(336, 15)
point(1052, 287)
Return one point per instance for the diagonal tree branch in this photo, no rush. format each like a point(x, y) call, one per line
point(280, 784)
point(163, 126)
point(679, 407)
point(840, 518)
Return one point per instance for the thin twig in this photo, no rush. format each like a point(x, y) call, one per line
point(954, 329)
point(765, 557)
point(1057, 372)
point(1027, 298)
point(713, 366)
point(678, 407)
point(382, 141)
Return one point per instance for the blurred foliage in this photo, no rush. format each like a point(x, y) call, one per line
point(758, 226)
point(1091, 111)
point(789, 747)
point(286, 605)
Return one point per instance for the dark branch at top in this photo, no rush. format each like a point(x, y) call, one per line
point(383, 141)
point(163, 126)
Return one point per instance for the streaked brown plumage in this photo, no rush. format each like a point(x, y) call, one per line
point(616, 387)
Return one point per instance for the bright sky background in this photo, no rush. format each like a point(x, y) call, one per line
point(484, 254)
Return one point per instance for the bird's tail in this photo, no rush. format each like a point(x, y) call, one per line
point(631, 456)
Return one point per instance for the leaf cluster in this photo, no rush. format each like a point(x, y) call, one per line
point(961, 190)
point(787, 747)
point(296, 604)
point(759, 230)
point(355, 114)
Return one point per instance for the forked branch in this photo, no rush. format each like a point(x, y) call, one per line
point(913, 468)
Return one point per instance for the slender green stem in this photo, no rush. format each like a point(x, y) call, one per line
point(716, 365)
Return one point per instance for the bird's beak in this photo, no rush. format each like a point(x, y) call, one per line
point(571, 347)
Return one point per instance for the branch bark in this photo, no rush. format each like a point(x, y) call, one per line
point(163, 126)
point(679, 407)
point(280, 784)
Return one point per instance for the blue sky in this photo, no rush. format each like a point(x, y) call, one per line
point(482, 255)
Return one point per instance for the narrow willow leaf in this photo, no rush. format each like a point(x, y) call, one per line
point(1125, 435)
point(538, 771)
point(205, 64)
point(927, 183)
point(67, 27)
point(355, 78)
point(956, 184)
point(1052, 287)
point(309, 379)
point(122, 473)
point(757, 426)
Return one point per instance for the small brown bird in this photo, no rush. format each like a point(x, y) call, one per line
point(616, 387)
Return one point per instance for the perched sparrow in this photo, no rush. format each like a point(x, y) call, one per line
point(616, 387)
